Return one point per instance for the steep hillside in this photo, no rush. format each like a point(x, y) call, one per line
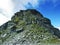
point(28, 27)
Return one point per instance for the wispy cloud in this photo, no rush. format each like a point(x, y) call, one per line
point(6, 10)
point(3, 19)
point(58, 28)
point(25, 4)
point(6, 7)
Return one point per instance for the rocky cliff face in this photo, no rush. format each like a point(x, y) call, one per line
point(28, 27)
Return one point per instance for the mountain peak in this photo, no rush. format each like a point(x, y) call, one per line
point(29, 27)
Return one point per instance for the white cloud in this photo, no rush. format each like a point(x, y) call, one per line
point(6, 10)
point(3, 19)
point(6, 7)
point(23, 4)
point(58, 28)
point(34, 3)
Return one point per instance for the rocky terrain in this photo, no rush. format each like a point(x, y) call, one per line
point(29, 27)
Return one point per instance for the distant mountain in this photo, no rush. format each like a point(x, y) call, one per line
point(29, 27)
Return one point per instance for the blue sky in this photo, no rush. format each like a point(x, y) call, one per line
point(49, 9)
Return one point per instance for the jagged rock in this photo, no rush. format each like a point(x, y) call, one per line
point(3, 35)
point(19, 30)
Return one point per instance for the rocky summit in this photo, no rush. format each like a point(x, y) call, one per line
point(29, 27)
